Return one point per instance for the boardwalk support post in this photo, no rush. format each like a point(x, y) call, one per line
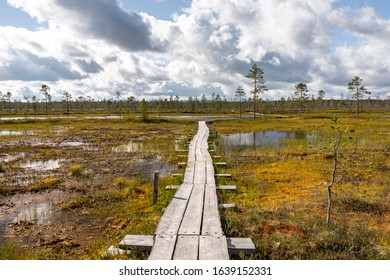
point(155, 186)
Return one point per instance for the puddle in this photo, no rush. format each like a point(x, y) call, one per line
point(198, 117)
point(39, 208)
point(133, 146)
point(266, 138)
point(40, 213)
point(8, 158)
point(179, 143)
point(15, 133)
point(147, 167)
point(105, 118)
point(57, 117)
point(90, 147)
point(72, 144)
point(42, 165)
point(10, 133)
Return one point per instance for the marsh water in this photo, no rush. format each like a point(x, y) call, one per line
point(262, 139)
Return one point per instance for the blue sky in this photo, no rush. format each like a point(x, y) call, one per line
point(158, 48)
point(161, 9)
point(382, 7)
point(15, 17)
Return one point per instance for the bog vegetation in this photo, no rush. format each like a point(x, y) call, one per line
point(92, 175)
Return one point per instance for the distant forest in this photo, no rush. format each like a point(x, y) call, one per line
point(174, 104)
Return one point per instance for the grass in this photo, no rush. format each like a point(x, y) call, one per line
point(76, 170)
point(11, 251)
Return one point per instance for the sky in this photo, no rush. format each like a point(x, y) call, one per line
point(160, 48)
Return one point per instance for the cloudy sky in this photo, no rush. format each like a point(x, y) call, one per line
point(158, 48)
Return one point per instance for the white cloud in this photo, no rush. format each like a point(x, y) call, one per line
point(94, 47)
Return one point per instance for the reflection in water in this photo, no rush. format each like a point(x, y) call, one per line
point(267, 138)
point(40, 213)
point(71, 144)
point(10, 132)
point(57, 117)
point(148, 166)
point(8, 158)
point(38, 208)
point(42, 165)
point(195, 117)
point(130, 147)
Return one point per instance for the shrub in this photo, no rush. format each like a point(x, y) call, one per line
point(75, 170)
point(2, 167)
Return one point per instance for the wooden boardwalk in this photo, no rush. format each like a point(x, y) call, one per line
point(190, 227)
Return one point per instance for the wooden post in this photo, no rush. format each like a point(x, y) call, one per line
point(155, 187)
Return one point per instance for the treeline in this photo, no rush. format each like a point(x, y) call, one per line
point(174, 104)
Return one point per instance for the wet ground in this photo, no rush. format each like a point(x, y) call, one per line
point(36, 180)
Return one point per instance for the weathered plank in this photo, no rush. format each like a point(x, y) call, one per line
point(140, 242)
point(227, 205)
point(223, 175)
point(237, 246)
point(213, 248)
point(211, 224)
point(200, 173)
point(163, 248)
point(186, 247)
point(210, 179)
point(226, 187)
point(192, 219)
point(173, 215)
point(182, 151)
point(189, 173)
point(172, 187)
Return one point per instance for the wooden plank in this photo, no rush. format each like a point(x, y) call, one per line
point(237, 246)
point(139, 242)
point(210, 179)
point(182, 151)
point(226, 187)
point(173, 215)
point(189, 173)
point(181, 156)
point(227, 205)
point(192, 219)
point(200, 173)
point(213, 248)
point(211, 224)
point(223, 175)
point(220, 163)
point(163, 247)
point(186, 247)
point(172, 187)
